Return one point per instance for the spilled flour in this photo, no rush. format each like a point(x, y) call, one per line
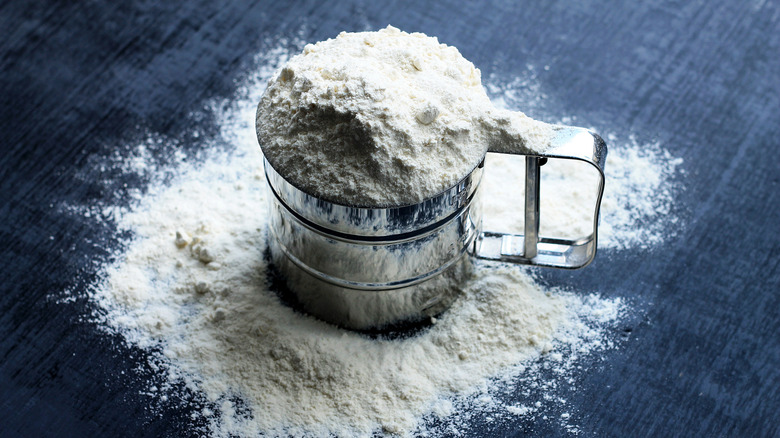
point(191, 286)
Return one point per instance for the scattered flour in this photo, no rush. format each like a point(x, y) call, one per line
point(384, 118)
point(191, 286)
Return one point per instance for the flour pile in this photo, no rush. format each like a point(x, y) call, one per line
point(384, 118)
point(191, 286)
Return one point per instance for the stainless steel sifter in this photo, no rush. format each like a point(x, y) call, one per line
point(369, 268)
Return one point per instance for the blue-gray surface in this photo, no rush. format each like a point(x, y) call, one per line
point(699, 357)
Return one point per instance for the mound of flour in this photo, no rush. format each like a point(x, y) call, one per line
point(384, 118)
point(190, 286)
point(193, 284)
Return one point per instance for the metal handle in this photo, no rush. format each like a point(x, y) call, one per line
point(530, 249)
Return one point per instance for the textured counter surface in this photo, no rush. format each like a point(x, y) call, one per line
point(701, 351)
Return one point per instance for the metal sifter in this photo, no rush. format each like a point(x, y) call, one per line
point(369, 268)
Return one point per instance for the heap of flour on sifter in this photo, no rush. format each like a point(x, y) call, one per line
point(384, 118)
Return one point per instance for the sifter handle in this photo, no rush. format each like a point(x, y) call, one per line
point(529, 248)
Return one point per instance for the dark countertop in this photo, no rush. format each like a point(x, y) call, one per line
point(702, 78)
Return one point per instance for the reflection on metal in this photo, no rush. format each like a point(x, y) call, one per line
point(532, 183)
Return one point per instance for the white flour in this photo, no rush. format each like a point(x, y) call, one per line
point(191, 283)
point(384, 118)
